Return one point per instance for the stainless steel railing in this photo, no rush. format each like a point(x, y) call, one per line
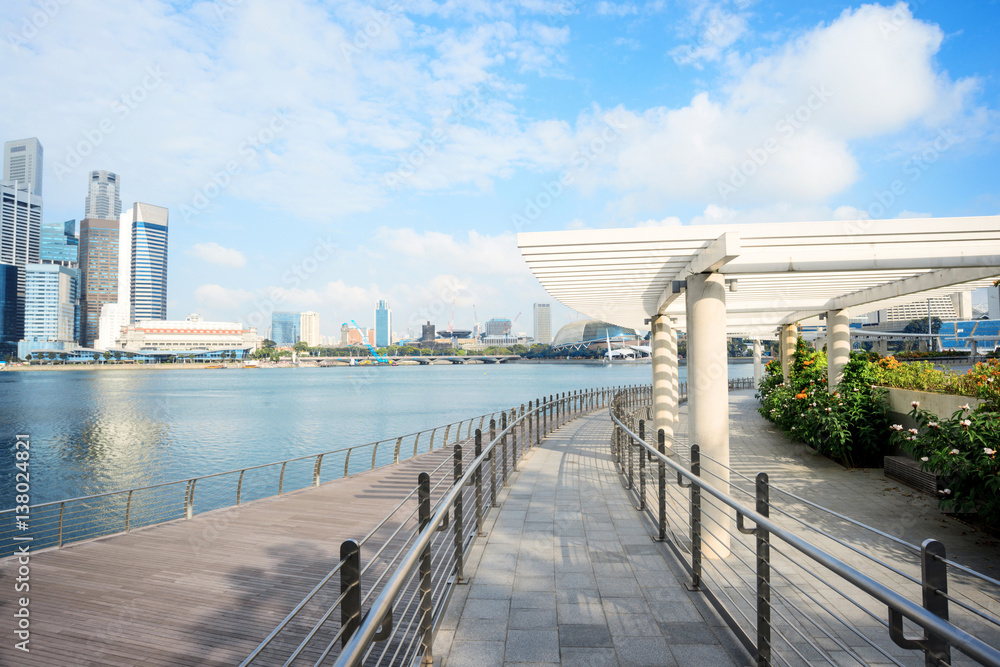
point(407, 581)
point(803, 584)
point(54, 524)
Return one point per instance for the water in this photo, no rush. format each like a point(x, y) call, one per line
point(98, 431)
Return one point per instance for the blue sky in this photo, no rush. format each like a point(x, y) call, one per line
point(323, 155)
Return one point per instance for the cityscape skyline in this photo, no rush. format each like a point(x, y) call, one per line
point(408, 176)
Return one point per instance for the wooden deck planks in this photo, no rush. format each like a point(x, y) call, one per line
point(204, 591)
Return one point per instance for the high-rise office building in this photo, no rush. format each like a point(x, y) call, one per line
point(543, 324)
point(99, 241)
point(20, 238)
point(383, 324)
point(498, 327)
point(345, 332)
point(10, 320)
point(51, 303)
point(103, 199)
point(309, 328)
point(22, 165)
point(59, 244)
point(147, 225)
point(285, 328)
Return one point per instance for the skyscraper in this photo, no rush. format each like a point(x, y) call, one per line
point(309, 326)
point(103, 199)
point(99, 240)
point(285, 328)
point(20, 238)
point(59, 244)
point(543, 324)
point(10, 321)
point(51, 303)
point(22, 164)
point(148, 227)
point(383, 324)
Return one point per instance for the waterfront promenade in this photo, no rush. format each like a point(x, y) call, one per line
point(567, 572)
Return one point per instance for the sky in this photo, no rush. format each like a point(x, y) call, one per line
point(323, 155)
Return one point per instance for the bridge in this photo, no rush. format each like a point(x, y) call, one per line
point(426, 360)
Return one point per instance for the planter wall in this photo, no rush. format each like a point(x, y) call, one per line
point(943, 405)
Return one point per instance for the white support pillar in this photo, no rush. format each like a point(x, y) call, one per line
point(708, 399)
point(758, 370)
point(665, 381)
point(922, 345)
point(788, 338)
point(883, 347)
point(974, 349)
point(838, 346)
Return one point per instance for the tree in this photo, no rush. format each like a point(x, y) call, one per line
point(27, 357)
point(106, 355)
point(920, 326)
point(118, 355)
point(97, 355)
point(301, 346)
point(130, 355)
point(267, 342)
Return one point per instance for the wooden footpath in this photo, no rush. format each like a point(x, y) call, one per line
point(204, 591)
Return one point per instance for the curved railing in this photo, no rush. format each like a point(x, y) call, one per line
point(56, 523)
point(789, 599)
point(407, 582)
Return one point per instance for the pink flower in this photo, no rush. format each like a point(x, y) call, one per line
point(915, 404)
point(914, 431)
point(896, 427)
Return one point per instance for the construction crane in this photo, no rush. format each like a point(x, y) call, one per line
point(510, 327)
point(379, 358)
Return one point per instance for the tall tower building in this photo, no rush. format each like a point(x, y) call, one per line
point(99, 241)
point(383, 324)
point(285, 328)
point(59, 244)
point(20, 239)
point(22, 165)
point(51, 303)
point(345, 332)
point(103, 199)
point(148, 232)
point(543, 324)
point(309, 327)
point(11, 323)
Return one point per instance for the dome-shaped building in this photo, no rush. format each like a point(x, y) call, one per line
point(584, 333)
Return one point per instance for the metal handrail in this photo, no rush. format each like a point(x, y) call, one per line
point(523, 429)
point(898, 605)
point(190, 485)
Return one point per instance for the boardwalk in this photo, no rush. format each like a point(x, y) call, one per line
point(198, 592)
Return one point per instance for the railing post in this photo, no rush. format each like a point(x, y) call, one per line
point(424, 498)
point(934, 577)
point(523, 440)
point(531, 437)
point(763, 574)
point(374, 453)
point(627, 440)
point(513, 441)
point(128, 511)
point(189, 500)
point(317, 468)
point(503, 445)
point(642, 466)
point(239, 488)
point(416, 440)
point(662, 491)
point(695, 521)
point(395, 454)
point(347, 461)
point(479, 485)
point(281, 479)
point(62, 510)
point(350, 588)
point(493, 464)
point(459, 535)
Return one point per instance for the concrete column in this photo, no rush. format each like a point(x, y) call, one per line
point(922, 345)
point(789, 336)
point(838, 346)
point(665, 385)
point(974, 348)
point(883, 347)
point(758, 370)
point(708, 402)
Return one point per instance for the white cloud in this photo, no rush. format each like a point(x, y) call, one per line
point(616, 9)
point(213, 253)
point(717, 29)
point(217, 298)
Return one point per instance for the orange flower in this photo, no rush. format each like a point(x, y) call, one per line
point(802, 395)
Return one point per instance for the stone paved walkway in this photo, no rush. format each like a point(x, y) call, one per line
point(568, 573)
point(557, 580)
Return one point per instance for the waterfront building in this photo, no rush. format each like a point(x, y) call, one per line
point(592, 333)
point(59, 244)
point(285, 329)
point(543, 323)
point(114, 317)
point(51, 314)
point(345, 333)
point(498, 327)
point(190, 334)
point(9, 332)
point(22, 165)
point(103, 201)
point(99, 241)
point(499, 340)
point(383, 324)
point(427, 333)
point(309, 328)
point(148, 231)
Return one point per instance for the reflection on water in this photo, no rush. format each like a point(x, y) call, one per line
point(97, 431)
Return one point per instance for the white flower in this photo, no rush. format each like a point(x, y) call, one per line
point(965, 423)
point(829, 409)
point(933, 424)
point(955, 451)
point(896, 427)
point(965, 407)
point(914, 431)
point(793, 428)
point(988, 451)
point(924, 458)
point(915, 404)
point(945, 492)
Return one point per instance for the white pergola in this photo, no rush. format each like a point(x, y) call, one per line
point(752, 280)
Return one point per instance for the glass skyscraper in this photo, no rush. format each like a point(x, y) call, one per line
point(99, 241)
point(10, 318)
point(383, 324)
point(148, 226)
point(59, 244)
point(51, 303)
point(285, 329)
